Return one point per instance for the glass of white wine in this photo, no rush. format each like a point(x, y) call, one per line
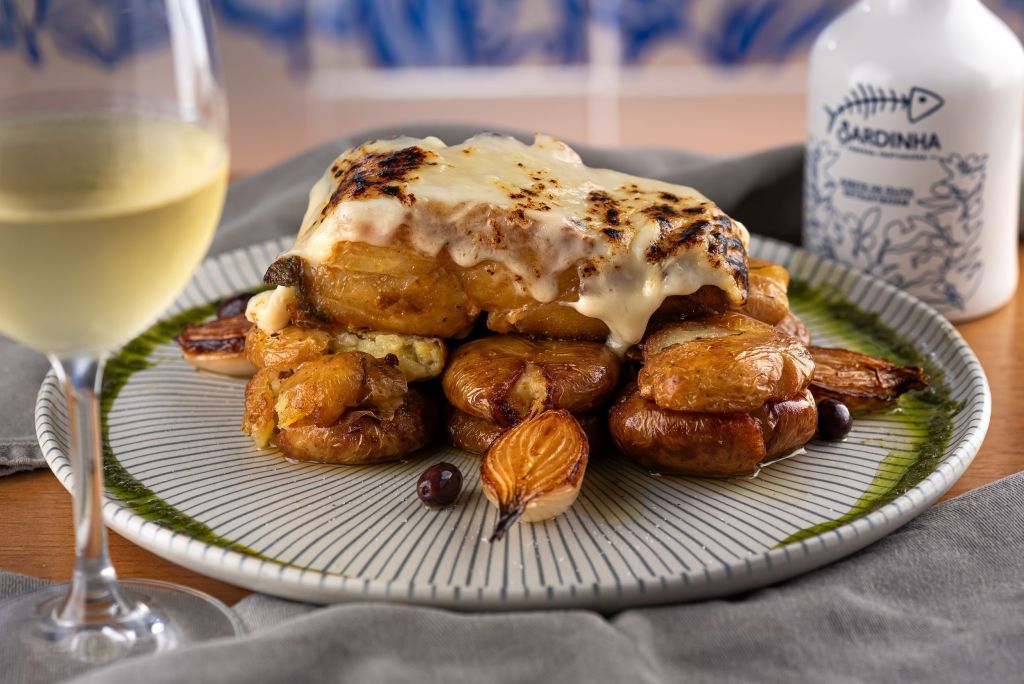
point(113, 167)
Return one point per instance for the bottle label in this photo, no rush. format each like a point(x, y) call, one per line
point(884, 194)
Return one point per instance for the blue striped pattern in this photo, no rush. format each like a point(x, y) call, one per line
point(329, 533)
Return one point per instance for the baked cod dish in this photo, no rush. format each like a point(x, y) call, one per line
point(522, 306)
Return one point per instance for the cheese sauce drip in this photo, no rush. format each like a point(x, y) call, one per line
point(537, 210)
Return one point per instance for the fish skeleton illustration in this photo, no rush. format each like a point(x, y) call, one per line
point(868, 101)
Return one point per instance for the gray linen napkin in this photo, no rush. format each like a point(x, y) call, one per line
point(940, 600)
point(762, 190)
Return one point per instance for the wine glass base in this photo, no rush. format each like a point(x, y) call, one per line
point(37, 646)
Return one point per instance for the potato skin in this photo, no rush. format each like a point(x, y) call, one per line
point(259, 419)
point(722, 364)
point(794, 327)
point(389, 288)
point(790, 423)
point(709, 444)
point(285, 349)
point(346, 408)
point(470, 433)
point(361, 438)
point(501, 378)
point(767, 298)
point(548, 320)
point(322, 390)
point(476, 435)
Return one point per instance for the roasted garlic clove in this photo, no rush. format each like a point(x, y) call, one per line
point(534, 470)
point(217, 346)
point(862, 382)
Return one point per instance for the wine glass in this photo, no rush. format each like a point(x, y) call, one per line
point(113, 167)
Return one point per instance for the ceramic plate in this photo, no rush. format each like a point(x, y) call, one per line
point(185, 483)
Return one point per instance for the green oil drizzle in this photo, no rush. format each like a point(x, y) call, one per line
point(134, 357)
point(930, 411)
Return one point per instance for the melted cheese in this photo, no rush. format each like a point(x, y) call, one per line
point(535, 209)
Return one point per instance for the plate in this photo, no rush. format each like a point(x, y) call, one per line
point(184, 482)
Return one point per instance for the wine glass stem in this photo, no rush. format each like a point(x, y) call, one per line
point(94, 595)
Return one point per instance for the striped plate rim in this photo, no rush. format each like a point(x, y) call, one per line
point(907, 315)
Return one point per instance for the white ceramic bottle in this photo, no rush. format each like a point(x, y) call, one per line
point(914, 149)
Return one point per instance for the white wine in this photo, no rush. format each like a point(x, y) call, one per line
point(103, 217)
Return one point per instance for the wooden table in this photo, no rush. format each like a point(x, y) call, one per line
point(35, 511)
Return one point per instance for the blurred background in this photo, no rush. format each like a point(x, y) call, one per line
point(720, 76)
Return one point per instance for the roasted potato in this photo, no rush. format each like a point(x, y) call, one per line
point(475, 435)
point(794, 327)
point(709, 444)
point(511, 309)
point(419, 358)
point(553, 319)
point(346, 407)
point(361, 437)
point(286, 349)
point(862, 382)
point(767, 300)
point(367, 287)
point(722, 364)
point(258, 419)
point(504, 378)
point(323, 389)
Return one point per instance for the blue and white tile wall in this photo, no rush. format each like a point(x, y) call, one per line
point(608, 71)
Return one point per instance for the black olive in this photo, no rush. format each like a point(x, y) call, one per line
point(439, 485)
point(234, 306)
point(834, 421)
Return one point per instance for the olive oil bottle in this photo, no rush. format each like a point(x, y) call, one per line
point(914, 149)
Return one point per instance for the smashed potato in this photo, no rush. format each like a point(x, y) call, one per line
point(320, 391)
point(504, 378)
point(794, 327)
point(346, 408)
point(287, 348)
point(722, 364)
point(553, 319)
point(392, 288)
point(418, 358)
point(767, 298)
point(710, 444)
point(361, 436)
